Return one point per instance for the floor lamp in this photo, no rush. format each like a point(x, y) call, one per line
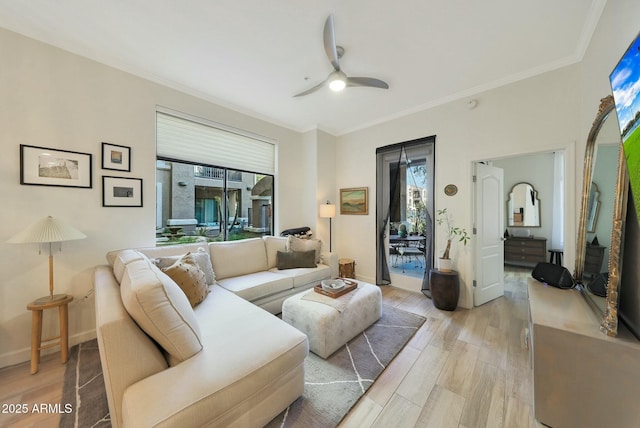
point(48, 231)
point(328, 210)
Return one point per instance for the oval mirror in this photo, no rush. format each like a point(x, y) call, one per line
point(523, 206)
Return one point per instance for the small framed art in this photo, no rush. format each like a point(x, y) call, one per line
point(354, 201)
point(121, 192)
point(115, 157)
point(42, 166)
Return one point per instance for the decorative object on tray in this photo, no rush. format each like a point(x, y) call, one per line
point(116, 157)
point(331, 291)
point(332, 284)
point(42, 166)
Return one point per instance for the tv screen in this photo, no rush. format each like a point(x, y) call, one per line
point(625, 83)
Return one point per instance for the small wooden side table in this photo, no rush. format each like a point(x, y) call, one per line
point(347, 268)
point(37, 307)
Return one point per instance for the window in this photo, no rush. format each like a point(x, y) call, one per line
point(203, 187)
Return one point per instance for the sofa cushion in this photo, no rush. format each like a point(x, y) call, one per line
point(190, 278)
point(256, 285)
point(296, 259)
point(246, 350)
point(200, 257)
point(161, 309)
point(297, 244)
point(273, 244)
point(120, 260)
point(236, 258)
point(305, 276)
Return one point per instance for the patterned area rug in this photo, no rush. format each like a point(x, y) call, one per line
point(333, 386)
point(84, 389)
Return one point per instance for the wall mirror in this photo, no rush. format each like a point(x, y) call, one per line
point(523, 206)
point(599, 241)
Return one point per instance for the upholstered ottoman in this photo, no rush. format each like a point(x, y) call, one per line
point(330, 323)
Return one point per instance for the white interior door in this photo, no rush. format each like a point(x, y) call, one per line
point(489, 260)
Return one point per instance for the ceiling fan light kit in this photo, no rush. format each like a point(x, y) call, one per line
point(338, 80)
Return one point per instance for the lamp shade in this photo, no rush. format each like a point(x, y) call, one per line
point(327, 210)
point(48, 229)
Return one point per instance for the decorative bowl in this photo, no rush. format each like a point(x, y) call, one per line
point(332, 284)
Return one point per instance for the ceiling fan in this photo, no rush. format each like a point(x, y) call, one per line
point(337, 79)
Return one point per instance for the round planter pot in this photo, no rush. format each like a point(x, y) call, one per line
point(445, 289)
point(444, 265)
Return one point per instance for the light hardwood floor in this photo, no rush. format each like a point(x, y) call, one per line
point(462, 369)
point(466, 369)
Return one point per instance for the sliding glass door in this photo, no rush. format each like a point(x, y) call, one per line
point(404, 209)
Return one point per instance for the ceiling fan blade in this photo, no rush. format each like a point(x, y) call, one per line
point(367, 81)
point(330, 43)
point(310, 90)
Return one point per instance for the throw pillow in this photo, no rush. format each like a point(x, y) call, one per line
point(295, 259)
point(201, 258)
point(297, 244)
point(190, 278)
point(161, 309)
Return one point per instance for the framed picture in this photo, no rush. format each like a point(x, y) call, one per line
point(117, 158)
point(354, 201)
point(42, 166)
point(121, 192)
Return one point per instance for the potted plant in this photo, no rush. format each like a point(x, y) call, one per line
point(458, 233)
point(402, 230)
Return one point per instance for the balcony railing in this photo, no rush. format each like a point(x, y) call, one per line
point(215, 173)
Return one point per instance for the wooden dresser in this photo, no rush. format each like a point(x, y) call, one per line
point(525, 251)
point(593, 257)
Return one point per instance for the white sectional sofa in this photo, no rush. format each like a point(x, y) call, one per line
point(226, 361)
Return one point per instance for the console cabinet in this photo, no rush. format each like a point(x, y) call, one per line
point(593, 256)
point(525, 251)
point(581, 377)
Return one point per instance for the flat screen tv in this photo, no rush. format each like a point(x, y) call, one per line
point(625, 83)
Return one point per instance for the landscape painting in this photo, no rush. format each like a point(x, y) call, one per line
point(354, 201)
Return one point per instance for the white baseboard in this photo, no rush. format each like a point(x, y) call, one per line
point(23, 355)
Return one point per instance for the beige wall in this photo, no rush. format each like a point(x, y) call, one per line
point(544, 113)
point(55, 99)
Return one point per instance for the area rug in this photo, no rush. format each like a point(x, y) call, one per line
point(333, 386)
point(84, 389)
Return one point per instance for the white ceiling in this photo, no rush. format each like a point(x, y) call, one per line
point(253, 56)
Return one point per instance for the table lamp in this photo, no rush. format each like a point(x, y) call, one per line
point(328, 210)
point(48, 231)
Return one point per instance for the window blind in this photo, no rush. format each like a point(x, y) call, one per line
point(187, 140)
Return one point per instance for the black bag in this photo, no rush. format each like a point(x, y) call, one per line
point(553, 274)
point(598, 284)
point(296, 231)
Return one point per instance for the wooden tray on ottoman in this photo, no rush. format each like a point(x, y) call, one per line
point(349, 286)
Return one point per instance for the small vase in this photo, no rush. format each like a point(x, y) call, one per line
point(444, 265)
